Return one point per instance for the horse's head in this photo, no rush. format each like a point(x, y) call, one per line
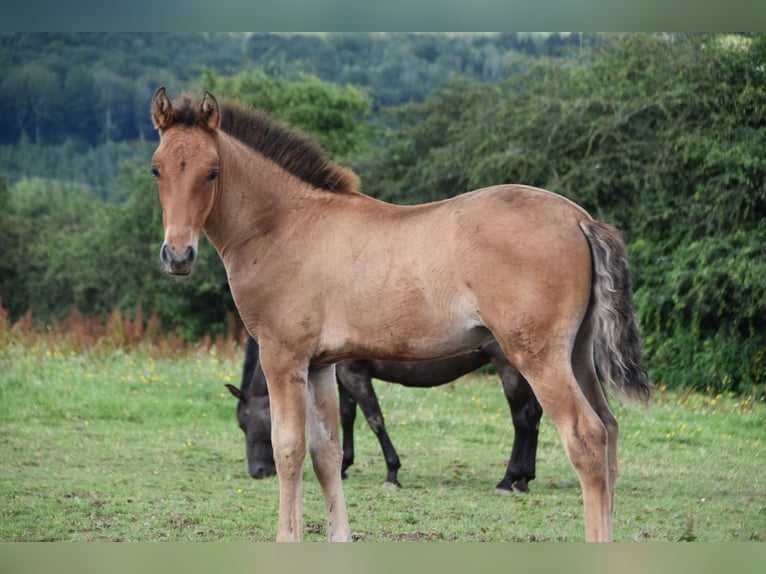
point(186, 167)
point(254, 419)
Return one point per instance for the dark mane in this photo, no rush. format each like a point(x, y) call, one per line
point(294, 151)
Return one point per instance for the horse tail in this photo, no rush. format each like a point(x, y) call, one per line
point(617, 345)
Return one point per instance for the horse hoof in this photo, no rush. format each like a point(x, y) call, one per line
point(517, 487)
point(389, 484)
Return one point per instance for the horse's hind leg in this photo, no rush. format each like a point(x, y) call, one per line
point(582, 431)
point(325, 449)
point(585, 372)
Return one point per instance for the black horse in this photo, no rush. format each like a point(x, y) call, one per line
point(355, 387)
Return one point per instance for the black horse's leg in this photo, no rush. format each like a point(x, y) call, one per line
point(526, 413)
point(347, 419)
point(359, 384)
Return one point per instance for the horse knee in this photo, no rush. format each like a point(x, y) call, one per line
point(328, 448)
point(326, 457)
point(376, 423)
point(289, 454)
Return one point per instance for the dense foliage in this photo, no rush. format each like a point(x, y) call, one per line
point(662, 135)
point(398, 68)
point(94, 87)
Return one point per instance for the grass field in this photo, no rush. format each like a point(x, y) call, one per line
point(138, 446)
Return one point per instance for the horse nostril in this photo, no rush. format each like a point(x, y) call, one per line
point(189, 255)
point(165, 254)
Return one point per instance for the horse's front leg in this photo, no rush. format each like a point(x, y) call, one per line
point(288, 398)
point(325, 448)
point(347, 419)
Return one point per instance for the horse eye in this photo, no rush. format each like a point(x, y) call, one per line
point(155, 172)
point(213, 174)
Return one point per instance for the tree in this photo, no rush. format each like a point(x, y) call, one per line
point(33, 89)
point(9, 247)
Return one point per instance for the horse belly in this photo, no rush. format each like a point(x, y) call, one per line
point(405, 328)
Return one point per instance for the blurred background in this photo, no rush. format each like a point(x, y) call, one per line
point(660, 134)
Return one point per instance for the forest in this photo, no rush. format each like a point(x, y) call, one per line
point(659, 134)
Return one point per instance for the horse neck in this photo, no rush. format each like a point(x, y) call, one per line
point(251, 197)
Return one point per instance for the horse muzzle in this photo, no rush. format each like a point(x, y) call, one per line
point(262, 470)
point(178, 262)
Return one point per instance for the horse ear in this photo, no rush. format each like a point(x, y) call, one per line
point(162, 109)
point(210, 112)
point(235, 391)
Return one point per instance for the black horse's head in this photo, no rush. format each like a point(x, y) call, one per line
point(254, 416)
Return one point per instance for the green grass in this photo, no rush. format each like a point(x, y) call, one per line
point(115, 445)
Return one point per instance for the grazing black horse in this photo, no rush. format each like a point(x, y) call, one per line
point(355, 378)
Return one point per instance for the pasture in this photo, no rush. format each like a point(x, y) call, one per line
point(142, 445)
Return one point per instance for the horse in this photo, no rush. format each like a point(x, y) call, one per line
point(354, 377)
point(321, 272)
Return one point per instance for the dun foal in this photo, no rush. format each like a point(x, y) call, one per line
point(320, 273)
